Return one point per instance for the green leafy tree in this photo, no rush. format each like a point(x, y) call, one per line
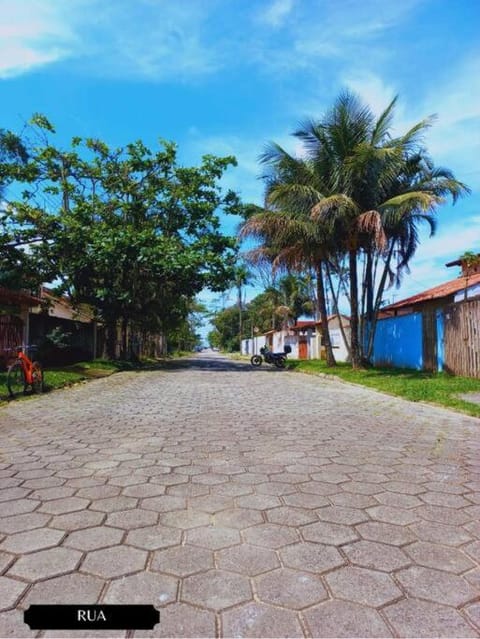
point(128, 231)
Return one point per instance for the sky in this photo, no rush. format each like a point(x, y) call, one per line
point(228, 76)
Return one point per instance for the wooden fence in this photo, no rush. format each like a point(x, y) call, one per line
point(462, 338)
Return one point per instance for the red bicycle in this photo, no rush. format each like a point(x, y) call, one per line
point(24, 373)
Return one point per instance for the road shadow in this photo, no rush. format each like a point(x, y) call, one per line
point(215, 364)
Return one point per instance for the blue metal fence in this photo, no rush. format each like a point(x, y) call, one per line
point(398, 342)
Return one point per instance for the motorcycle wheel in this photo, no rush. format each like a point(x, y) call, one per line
point(256, 360)
point(280, 362)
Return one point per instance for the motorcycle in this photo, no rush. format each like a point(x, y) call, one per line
point(277, 359)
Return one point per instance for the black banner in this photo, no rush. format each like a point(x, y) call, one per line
point(94, 617)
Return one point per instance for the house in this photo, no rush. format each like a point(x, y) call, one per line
point(56, 314)
point(434, 330)
point(304, 338)
point(14, 320)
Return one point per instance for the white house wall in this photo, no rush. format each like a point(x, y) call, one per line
point(252, 346)
point(340, 350)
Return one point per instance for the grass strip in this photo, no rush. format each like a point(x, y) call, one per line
point(441, 389)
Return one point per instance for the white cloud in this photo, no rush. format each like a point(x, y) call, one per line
point(32, 34)
point(142, 39)
point(276, 13)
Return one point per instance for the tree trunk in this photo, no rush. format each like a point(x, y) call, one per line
point(336, 311)
point(378, 301)
point(355, 344)
point(322, 307)
point(110, 339)
point(124, 347)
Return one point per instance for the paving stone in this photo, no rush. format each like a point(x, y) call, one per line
point(473, 577)
point(213, 537)
point(289, 588)
point(258, 502)
point(210, 503)
point(182, 620)
point(182, 560)
point(368, 587)
point(10, 592)
point(45, 563)
point(371, 554)
point(270, 535)
point(77, 520)
point(473, 613)
point(154, 537)
point(232, 489)
point(7, 494)
point(473, 550)
point(473, 527)
point(311, 557)
point(290, 516)
point(143, 490)
point(216, 589)
point(12, 625)
point(305, 500)
point(325, 532)
point(186, 490)
point(436, 585)
point(63, 506)
point(6, 560)
point(114, 561)
point(414, 618)
point(318, 488)
point(441, 557)
point(391, 515)
point(260, 620)
point(342, 515)
point(94, 538)
point(18, 507)
point(126, 480)
point(405, 487)
point(247, 559)
point(350, 500)
point(32, 540)
point(398, 500)
point(345, 619)
point(68, 589)
point(129, 519)
point(439, 533)
point(99, 492)
point(185, 519)
point(442, 515)
point(239, 518)
point(157, 589)
point(361, 488)
point(386, 533)
point(112, 504)
point(164, 503)
point(275, 488)
point(444, 499)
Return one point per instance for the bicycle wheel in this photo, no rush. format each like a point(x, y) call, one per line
point(280, 362)
point(37, 377)
point(16, 379)
point(256, 360)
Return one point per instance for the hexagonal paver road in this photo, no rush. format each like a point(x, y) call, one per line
point(241, 502)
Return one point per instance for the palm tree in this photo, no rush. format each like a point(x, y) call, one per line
point(380, 189)
point(296, 243)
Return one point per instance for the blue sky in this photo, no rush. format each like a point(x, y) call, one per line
point(226, 76)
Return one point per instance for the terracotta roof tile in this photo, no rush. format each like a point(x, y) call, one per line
point(437, 292)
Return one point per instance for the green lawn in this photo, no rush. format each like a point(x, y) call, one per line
point(435, 388)
point(58, 377)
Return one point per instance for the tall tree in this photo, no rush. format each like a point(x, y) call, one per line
point(128, 230)
point(285, 228)
point(380, 188)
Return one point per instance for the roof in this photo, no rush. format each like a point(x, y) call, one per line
point(437, 292)
point(459, 262)
point(18, 297)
